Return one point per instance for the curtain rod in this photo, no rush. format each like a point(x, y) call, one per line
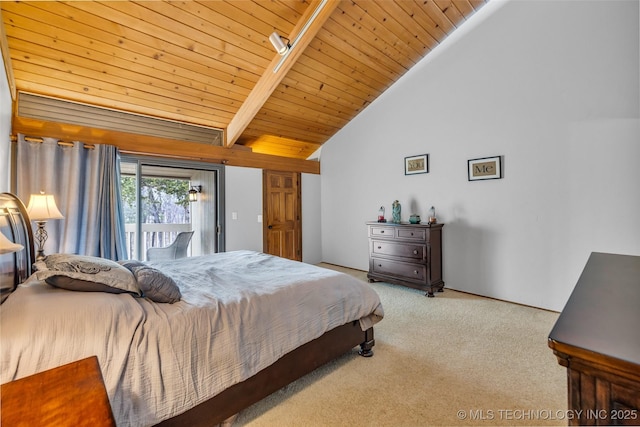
point(38, 140)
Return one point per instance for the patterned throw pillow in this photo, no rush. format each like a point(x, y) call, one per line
point(86, 274)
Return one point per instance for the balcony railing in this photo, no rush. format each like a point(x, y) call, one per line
point(153, 236)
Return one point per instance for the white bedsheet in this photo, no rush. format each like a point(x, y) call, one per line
point(158, 360)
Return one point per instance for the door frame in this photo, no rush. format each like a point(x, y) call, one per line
point(265, 209)
point(141, 161)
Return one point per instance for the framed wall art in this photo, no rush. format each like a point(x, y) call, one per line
point(416, 164)
point(485, 168)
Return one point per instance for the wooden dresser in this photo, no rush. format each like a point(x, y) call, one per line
point(597, 338)
point(406, 254)
point(69, 395)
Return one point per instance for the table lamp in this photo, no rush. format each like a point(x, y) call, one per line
point(42, 207)
point(7, 246)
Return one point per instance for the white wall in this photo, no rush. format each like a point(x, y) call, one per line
point(243, 188)
point(311, 219)
point(5, 131)
point(243, 194)
point(562, 106)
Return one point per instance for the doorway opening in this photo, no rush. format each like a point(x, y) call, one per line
point(157, 206)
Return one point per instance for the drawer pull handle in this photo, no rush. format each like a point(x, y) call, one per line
point(415, 271)
point(379, 265)
point(381, 231)
point(415, 252)
point(412, 233)
point(379, 247)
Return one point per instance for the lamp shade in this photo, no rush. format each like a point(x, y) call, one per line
point(7, 246)
point(43, 207)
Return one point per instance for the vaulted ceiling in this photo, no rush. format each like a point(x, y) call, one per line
point(211, 63)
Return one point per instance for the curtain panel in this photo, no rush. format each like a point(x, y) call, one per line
point(86, 186)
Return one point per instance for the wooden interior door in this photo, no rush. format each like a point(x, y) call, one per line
point(282, 211)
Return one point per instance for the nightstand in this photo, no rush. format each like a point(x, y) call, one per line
point(69, 395)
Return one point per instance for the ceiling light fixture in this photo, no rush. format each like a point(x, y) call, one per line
point(278, 43)
point(300, 34)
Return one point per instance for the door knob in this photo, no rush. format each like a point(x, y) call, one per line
point(270, 227)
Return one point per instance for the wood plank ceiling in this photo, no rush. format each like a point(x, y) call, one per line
point(200, 61)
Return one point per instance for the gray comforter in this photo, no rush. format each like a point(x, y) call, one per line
point(240, 312)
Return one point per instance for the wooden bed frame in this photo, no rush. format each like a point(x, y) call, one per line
point(17, 267)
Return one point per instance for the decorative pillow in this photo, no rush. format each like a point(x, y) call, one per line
point(155, 285)
point(130, 264)
point(87, 274)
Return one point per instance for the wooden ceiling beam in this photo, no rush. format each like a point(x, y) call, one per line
point(270, 80)
point(162, 147)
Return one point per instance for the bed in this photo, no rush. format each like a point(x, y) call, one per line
point(246, 325)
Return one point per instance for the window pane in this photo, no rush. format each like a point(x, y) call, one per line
point(163, 201)
point(130, 207)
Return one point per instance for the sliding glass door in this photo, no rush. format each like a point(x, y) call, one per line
point(163, 198)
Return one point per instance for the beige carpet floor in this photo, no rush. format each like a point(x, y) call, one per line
point(456, 359)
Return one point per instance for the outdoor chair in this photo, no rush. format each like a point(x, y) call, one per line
point(177, 249)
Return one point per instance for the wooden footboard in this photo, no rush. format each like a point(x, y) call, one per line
point(287, 369)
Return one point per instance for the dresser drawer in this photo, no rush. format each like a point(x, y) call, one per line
point(408, 233)
point(406, 270)
point(381, 231)
point(400, 250)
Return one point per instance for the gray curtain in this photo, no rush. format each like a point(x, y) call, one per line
point(86, 186)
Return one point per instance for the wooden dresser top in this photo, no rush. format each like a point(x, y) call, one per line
point(404, 224)
point(602, 316)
